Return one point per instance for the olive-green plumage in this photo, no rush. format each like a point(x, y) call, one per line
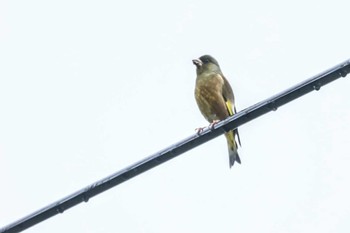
point(215, 99)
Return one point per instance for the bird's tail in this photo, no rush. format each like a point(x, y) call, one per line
point(232, 148)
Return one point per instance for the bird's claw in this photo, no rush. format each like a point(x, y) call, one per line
point(211, 125)
point(199, 130)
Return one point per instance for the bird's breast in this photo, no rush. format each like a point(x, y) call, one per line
point(210, 102)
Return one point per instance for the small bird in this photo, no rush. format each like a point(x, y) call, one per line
point(215, 99)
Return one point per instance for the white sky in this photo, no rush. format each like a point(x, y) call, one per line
point(90, 87)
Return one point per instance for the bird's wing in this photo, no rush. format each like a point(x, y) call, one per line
point(227, 91)
point(229, 98)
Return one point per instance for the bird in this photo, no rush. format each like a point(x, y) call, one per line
point(215, 100)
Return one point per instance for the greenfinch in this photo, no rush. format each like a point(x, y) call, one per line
point(215, 99)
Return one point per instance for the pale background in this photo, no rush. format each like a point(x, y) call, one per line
point(90, 87)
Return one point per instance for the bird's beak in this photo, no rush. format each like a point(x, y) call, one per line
point(197, 62)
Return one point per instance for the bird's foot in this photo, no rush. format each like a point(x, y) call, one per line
point(199, 130)
point(211, 125)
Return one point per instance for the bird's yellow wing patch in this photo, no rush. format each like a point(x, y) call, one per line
point(229, 107)
point(233, 111)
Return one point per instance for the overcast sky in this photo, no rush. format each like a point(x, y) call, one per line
point(90, 87)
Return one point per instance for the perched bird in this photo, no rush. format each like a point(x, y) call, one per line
point(215, 99)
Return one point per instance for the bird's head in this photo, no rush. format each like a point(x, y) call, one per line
point(206, 63)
